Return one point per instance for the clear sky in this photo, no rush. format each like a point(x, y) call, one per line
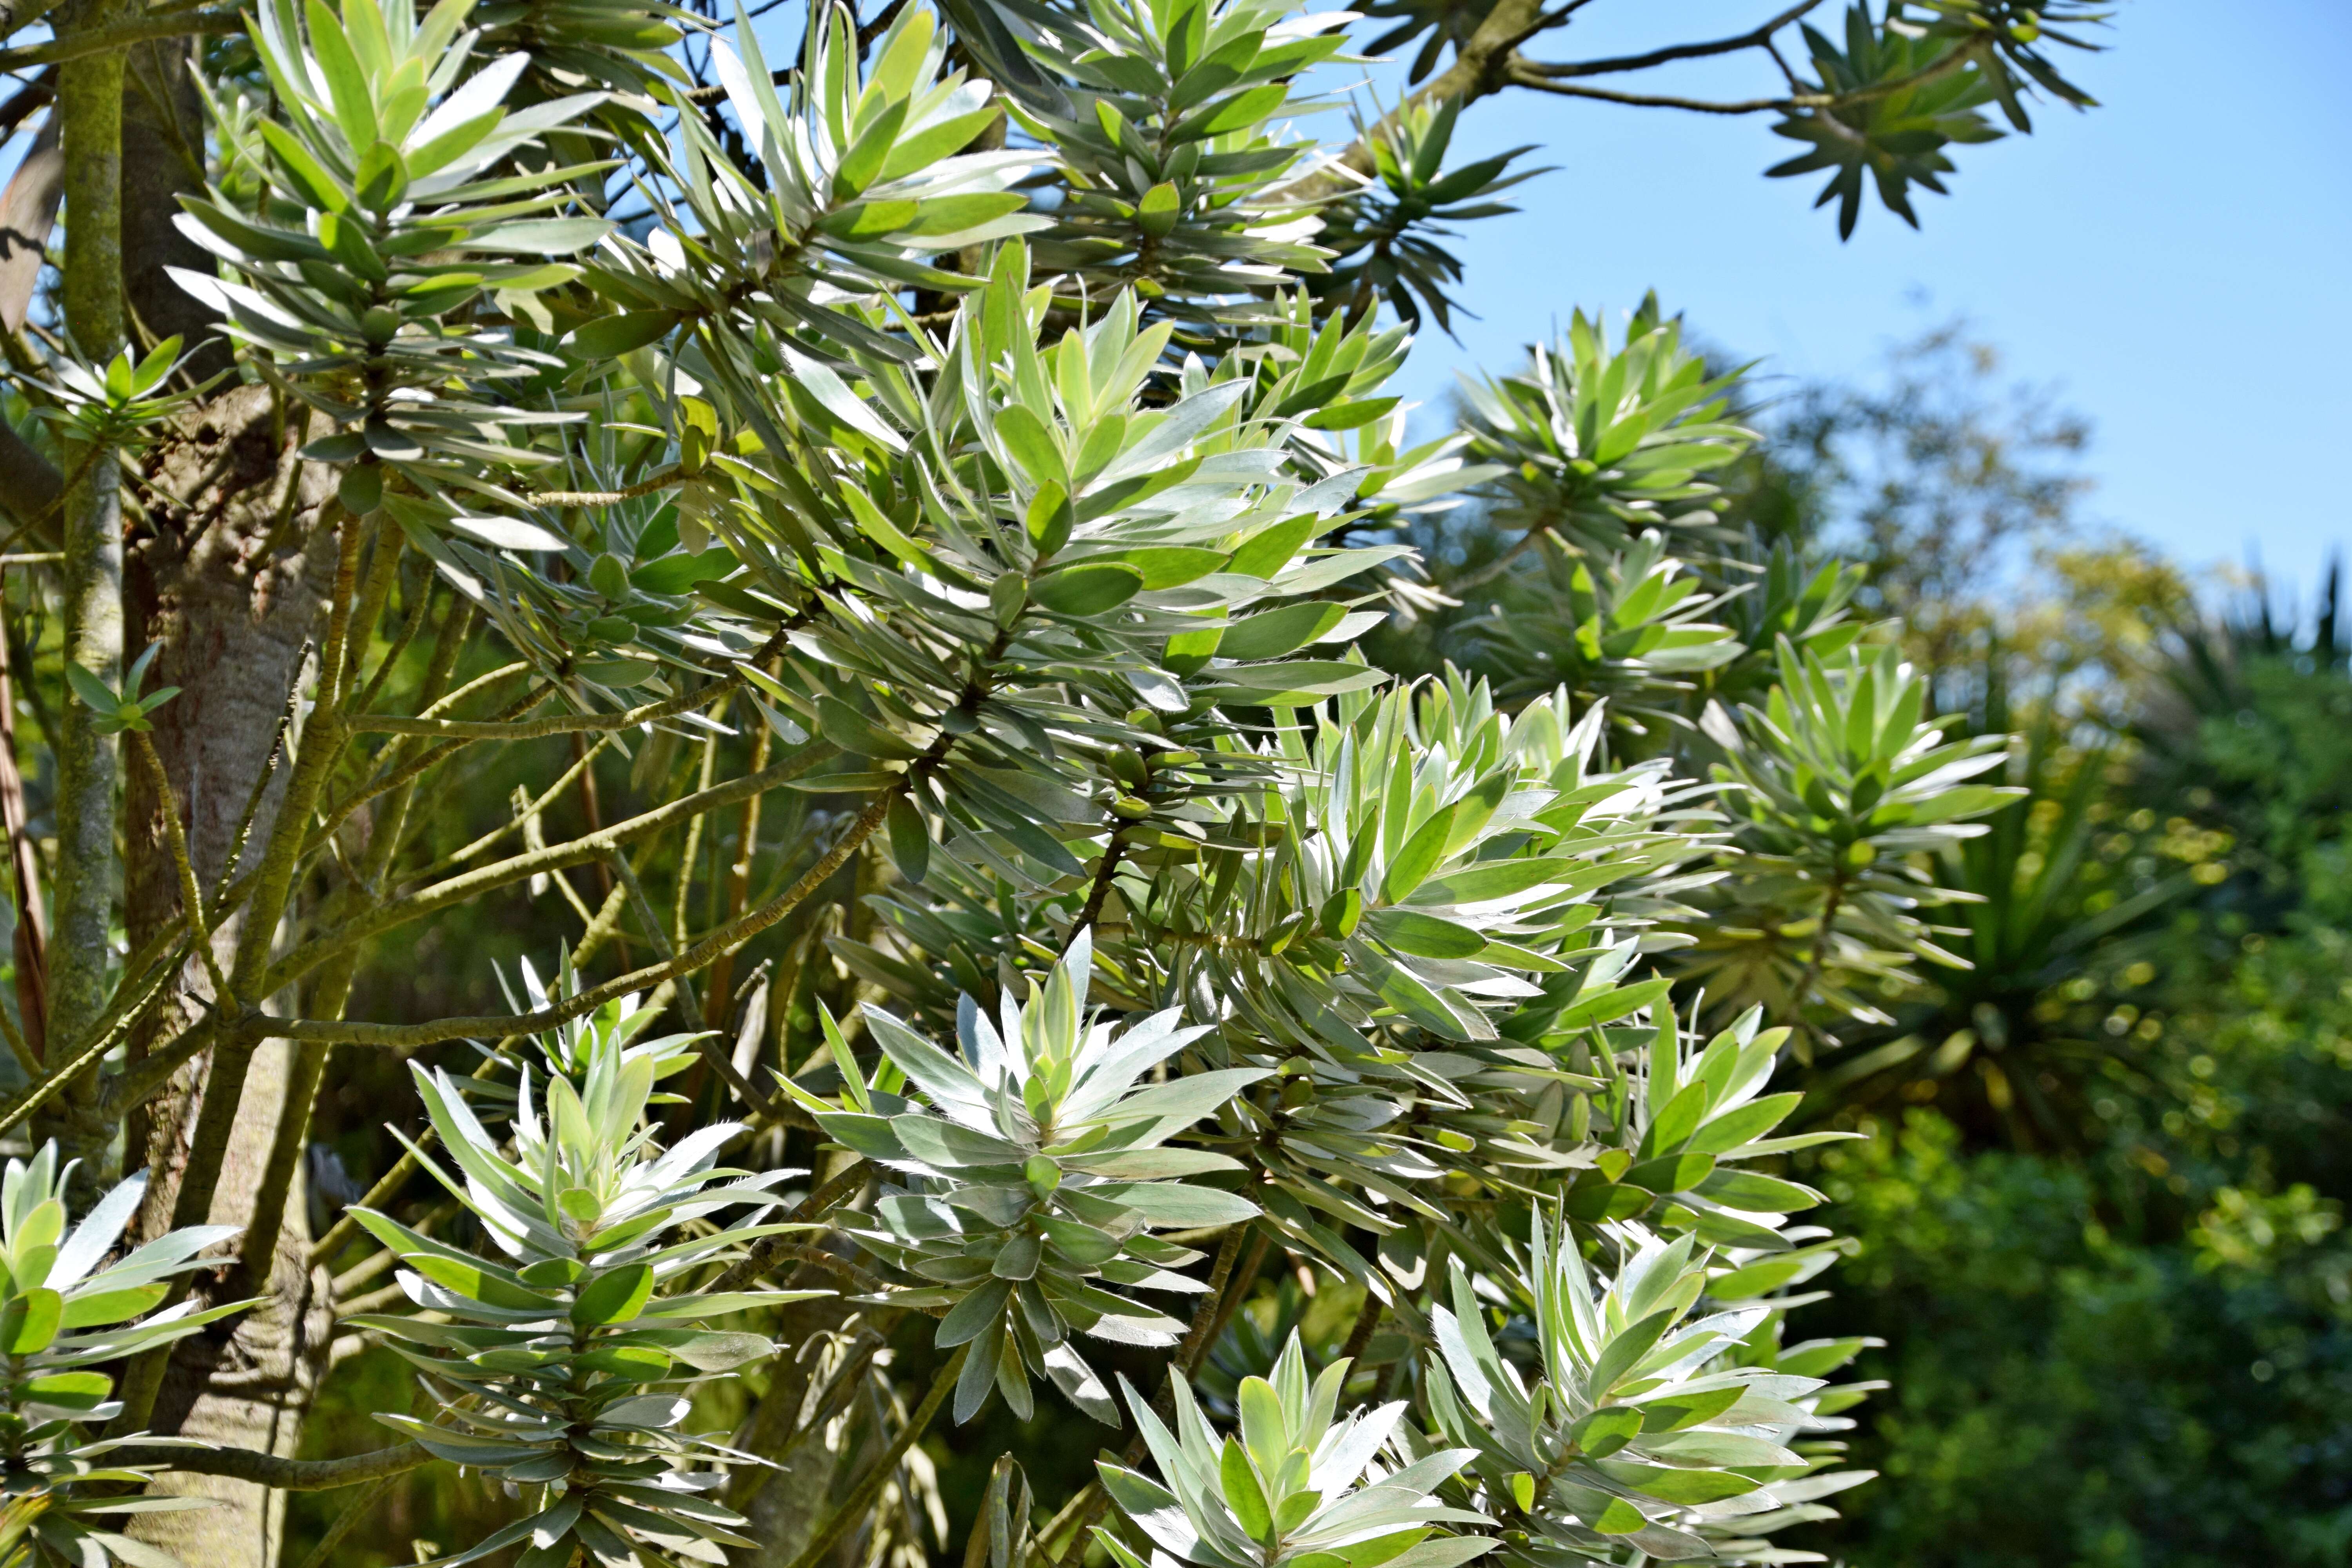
point(2177, 263)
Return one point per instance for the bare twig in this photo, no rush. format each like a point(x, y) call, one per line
point(861, 1496)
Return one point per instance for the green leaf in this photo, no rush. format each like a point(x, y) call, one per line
point(864, 160)
point(851, 731)
point(911, 840)
point(112, 1306)
point(1423, 936)
point(1744, 1124)
point(30, 1322)
point(71, 1390)
point(1419, 856)
point(613, 1297)
point(94, 693)
point(1609, 1428)
point(1033, 445)
point(981, 1310)
point(1675, 1173)
point(610, 337)
point(1620, 1518)
point(1278, 632)
point(1089, 589)
point(1237, 1479)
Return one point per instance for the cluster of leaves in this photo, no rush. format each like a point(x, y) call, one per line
point(558, 1368)
point(1041, 1170)
point(1164, 119)
point(1592, 446)
point(120, 405)
point(1907, 94)
point(378, 217)
point(1636, 1424)
point(1844, 786)
point(1384, 241)
point(66, 1312)
point(1297, 1482)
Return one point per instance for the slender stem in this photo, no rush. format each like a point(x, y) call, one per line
point(82, 46)
point(699, 956)
point(861, 1498)
point(667, 479)
point(343, 1229)
point(739, 887)
point(514, 824)
point(1500, 564)
point(273, 886)
point(175, 839)
point(1824, 933)
point(693, 850)
point(1526, 73)
point(159, 985)
point(467, 886)
point(1208, 1315)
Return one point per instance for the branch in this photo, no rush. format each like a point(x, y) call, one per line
point(1754, 38)
point(1530, 74)
point(175, 838)
point(674, 475)
point(281, 1475)
point(36, 1095)
point(1526, 73)
point(771, 1251)
point(161, 25)
point(554, 724)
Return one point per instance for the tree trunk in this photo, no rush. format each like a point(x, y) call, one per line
point(232, 578)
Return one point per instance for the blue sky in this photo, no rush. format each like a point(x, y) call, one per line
point(2174, 263)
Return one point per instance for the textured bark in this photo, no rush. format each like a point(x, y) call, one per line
point(249, 1385)
point(232, 579)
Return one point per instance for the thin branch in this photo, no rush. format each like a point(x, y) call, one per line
point(175, 838)
point(1208, 1315)
point(468, 885)
point(1523, 73)
point(80, 44)
point(554, 724)
point(1755, 37)
point(352, 1515)
point(699, 956)
point(38, 1094)
point(402, 1168)
point(1501, 563)
point(833, 1263)
point(282, 1475)
point(667, 479)
point(514, 824)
